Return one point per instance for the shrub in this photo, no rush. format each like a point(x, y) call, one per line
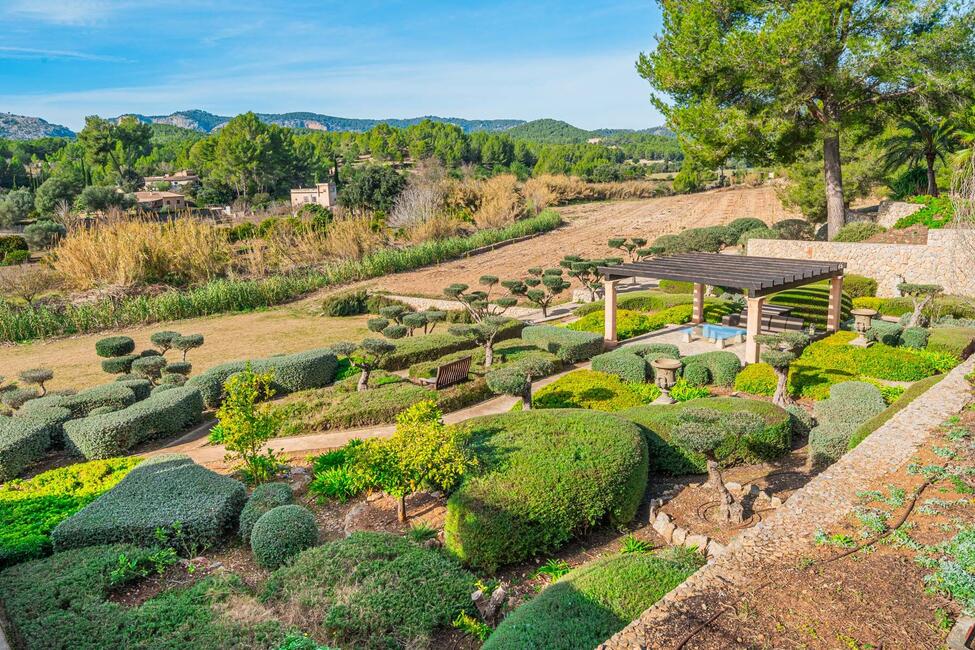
point(265, 497)
point(658, 420)
point(281, 533)
point(373, 590)
point(649, 350)
point(293, 372)
point(569, 346)
point(859, 286)
point(349, 303)
point(65, 602)
point(884, 332)
point(722, 366)
point(938, 211)
point(915, 337)
point(858, 231)
point(756, 379)
point(850, 404)
point(589, 389)
point(957, 341)
point(11, 243)
point(140, 387)
point(244, 425)
point(676, 286)
point(114, 346)
point(742, 225)
point(170, 493)
point(44, 233)
point(429, 347)
point(545, 477)
point(811, 303)
point(116, 395)
point(912, 393)
point(592, 603)
point(757, 233)
point(119, 365)
point(624, 364)
point(22, 441)
point(682, 391)
point(15, 257)
point(696, 374)
point(161, 414)
point(30, 509)
point(795, 229)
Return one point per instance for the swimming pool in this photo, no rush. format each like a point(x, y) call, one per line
point(721, 335)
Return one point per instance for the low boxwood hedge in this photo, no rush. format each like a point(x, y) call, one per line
point(22, 441)
point(504, 352)
point(292, 372)
point(373, 590)
point(115, 395)
point(722, 366)
point(265, 497)
point(160, 493)
point(657, 421)
point(568, 345)
point(30, 509)
point(624, 364)
point(64, 602)
point(163, 413)
point(592, 603)
point(428, 347)
point(543, 477)
point(590, 389)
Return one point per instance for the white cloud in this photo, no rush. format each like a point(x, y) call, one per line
point(36, 53)
point(589, 91)
point(65, 12)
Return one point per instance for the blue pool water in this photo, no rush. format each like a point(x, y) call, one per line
point(719, 332)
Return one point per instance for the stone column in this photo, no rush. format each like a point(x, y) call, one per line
point(752, 329)
point(609, 295)
point(697, 315)
point(834, 314)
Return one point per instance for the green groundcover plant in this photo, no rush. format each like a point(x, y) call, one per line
point(30, 509)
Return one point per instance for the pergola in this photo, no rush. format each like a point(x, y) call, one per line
point(757, 277)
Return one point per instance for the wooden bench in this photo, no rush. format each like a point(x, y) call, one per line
point(450, 374)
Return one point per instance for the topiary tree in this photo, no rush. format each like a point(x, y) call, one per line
point(117, 353)
point(516, 379)
point(432, 317)
point(542, 287)
point(921, 295)
point(484, 333)
point(779, 351)
point(703, 430)
point(586, 271)
point(366, 356)
point(479, 303)
point(390, 330)
point(14, 398)
point(186, 343)
point(414, 321)
point(37, 377)
point(164, 340)
point(282, 533)
point(149, 367)
point(634, 247)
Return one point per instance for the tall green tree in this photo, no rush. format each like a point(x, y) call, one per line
point(758, 79)
point(919, 139)
point(117, 146)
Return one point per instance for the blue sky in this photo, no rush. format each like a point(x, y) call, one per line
point(571, 60)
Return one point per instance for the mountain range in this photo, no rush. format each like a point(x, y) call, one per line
point(19, 127)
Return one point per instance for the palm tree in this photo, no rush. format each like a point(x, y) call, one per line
point(918, 139)
point(965, 136)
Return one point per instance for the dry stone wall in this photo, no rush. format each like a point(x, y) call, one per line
point(947, 259)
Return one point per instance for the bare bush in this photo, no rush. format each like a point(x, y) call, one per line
point(440, 226)
point(29, 284)
point(423, 198)
point(501, 202)
point(351, 239)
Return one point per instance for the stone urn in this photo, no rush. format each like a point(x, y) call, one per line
point(665, 376)
point(863, 319)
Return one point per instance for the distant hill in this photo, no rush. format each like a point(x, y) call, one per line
point(559, 132)
point(22, 127)
point(205, 122)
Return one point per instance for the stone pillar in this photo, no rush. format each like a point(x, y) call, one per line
point(834, 314)
point(609, 295)
point(697, 315)
point(752, 329)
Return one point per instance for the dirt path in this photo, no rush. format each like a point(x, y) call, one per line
point(589, 226)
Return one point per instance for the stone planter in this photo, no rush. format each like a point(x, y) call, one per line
point(863, 319)
point(665, 376)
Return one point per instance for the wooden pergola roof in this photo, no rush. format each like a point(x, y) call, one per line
point(759, 276)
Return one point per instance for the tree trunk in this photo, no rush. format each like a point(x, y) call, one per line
point(932, 181)
point(363, 380)
point(489, 352)
point(526, 398)
point(401, 509)
point(544, 306)
point(918, 311)
point(835, 207)
point(781, 397)
point(729, 510)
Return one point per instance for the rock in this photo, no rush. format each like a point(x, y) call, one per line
point(714, 549)
point(351, 516)
point(661, 518)
point(733, 487)
point(667, 532)
point(960, 634)
point(700, 542)
point(679, 536)
point(775, 502)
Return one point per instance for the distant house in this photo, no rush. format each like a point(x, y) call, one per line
point(176, 180)
point(160, 201)
point(323, 194)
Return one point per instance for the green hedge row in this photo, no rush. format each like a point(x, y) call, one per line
point(162, 414)
point(544, 477)
point(428, 347)
point(114, 395)
point(657, 421)
point(850, 405)
point(22, 441)
point(811, 303)
point(647, 300)
point(569, 346)
point(913, 391)
point(719, 367)
point(159, 493)
point(504, 352)
point(292, 372)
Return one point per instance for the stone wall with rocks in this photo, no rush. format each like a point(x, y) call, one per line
point(947, 259)
point(890, 212)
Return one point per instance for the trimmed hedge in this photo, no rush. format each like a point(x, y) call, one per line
point(22, 441)
point(568, 345)
point(281, 533)
point(913, 391)
point(504, 353)
point(859, 286)
point(593, 602)
point(722, 366)
point(647, 300)
point(114, 346)
point(657, 421)
point(428, 347)
point(162, 414)
point(940, 307)
point(590, 389)
point(292, 372)
point(624, 364)
point(159, 493)
point(52, 416)
point(811, 303)
point(544, 477)
point(115, 395)
point(850, 404)
point(373, 590)
point(757, 379)
point(30, 509)
point(265, 497)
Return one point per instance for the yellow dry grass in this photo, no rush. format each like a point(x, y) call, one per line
point(501, 203)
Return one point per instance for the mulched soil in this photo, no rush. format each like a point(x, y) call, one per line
point(916, 234)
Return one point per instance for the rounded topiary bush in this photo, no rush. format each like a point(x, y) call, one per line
point(859, 286)
point(696, 374)
point(265, 497)
point(179, 367)
point(281, 533)
point(622, 363)
point(756, 379)
point(915, 337)
point(795, 229)
point(544, 476)
point(114, 346)
point(119, 365)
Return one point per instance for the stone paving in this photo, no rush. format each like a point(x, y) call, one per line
point(821, 503)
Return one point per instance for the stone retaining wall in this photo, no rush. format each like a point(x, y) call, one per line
point(819, 505)
point(947, 259)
